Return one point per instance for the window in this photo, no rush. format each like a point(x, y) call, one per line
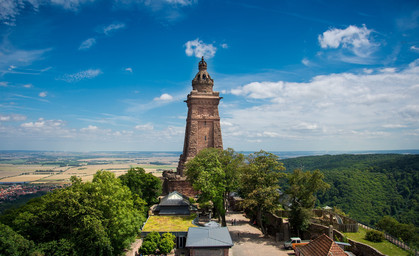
point(204, 76)
point(205, 138)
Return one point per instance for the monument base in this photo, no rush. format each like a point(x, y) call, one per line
point(174, 182)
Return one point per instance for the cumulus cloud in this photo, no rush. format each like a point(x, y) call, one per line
point(198, 49)
point(44, 124)
point(43, 94)
point(87, 44)
point(164, 97)
point(90, 128)
point(331, 109)
point(86, 74)
point(14, 117)
point(354, 40)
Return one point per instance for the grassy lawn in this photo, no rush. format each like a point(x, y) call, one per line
point(385, 247)
point(172, 223)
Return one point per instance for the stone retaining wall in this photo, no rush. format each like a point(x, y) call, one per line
point(357, 248)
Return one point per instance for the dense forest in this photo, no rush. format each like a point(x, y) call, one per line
point(101, 217)
point(367, 187)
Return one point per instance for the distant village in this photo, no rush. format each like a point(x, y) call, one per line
point(11, 192)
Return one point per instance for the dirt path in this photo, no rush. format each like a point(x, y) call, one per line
point(134, 248)
point(249, 240)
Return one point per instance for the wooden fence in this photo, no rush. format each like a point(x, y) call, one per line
point(392, 240)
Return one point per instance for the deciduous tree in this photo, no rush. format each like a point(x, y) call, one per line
point(142, 185)
point(259, 184)
point(301, 192)
point(215, 173)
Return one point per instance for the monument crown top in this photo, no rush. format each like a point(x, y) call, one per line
point(202, 82)
point(202, 64)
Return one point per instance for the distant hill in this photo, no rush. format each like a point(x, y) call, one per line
point(368, 186)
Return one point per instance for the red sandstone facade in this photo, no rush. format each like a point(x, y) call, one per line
point(203, 128)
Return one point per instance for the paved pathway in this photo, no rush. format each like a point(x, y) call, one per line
point(249, 240)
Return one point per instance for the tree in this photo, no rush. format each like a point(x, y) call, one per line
point(148, 247)
point(13, 244)
point(301, 192)
point(260, 187)
point(150, 243)
point(167, 243)
point(91, 218)
point(142, 185)
point(214, 172)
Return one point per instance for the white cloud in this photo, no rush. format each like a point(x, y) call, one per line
point(87, 44)
point(163, 10)
point(72, 5)
point(394, 126)
point(28, 85)
point(129, 70)
point(198, 49)
point(224, 46)
point(356, 43)
point(3, 84)
point(164, 97)
point(180, 2)
point(414, 48)
point(144, 127)
point(305, 61)
point(335, 111)
point(43, 124)
point(112, 27)
point(11, 58)
point(351, 36)
point(43, 94)
point(86, 74)
point(10, 9)
point(90, 128)
point(15, 117)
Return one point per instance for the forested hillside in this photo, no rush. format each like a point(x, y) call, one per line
point(368, 187)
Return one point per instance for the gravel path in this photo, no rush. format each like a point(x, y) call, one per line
point(249, 240)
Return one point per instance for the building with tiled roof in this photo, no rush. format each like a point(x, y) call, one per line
point(175, 204)
point(321, 246)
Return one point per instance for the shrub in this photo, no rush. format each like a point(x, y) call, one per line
point(148, 247)
point(374, 236)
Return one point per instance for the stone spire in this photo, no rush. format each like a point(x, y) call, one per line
point(203, 128)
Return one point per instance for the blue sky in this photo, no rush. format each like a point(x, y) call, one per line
point(84, 75)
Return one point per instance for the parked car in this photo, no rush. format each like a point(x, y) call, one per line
point(294, 240)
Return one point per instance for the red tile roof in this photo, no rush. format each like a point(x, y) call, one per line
point(321, 246)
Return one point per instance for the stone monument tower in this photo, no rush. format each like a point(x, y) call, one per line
point(203, 122)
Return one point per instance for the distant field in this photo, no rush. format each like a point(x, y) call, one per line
point(86, 170)
point(22, 178)
point(7, 170)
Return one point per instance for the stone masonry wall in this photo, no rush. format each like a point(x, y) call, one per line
point(357, 248)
